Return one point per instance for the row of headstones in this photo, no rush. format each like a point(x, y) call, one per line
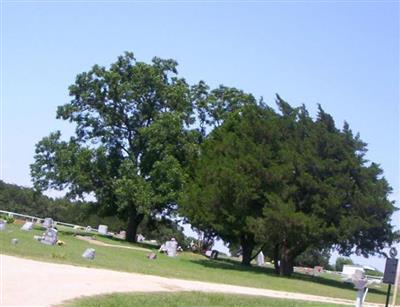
point(48, 223)
point(50, 236)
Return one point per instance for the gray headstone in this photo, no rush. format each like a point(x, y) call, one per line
point(2, 225)
point(50, 237)
point(27, 226)
point(89, 253)
point(171, 248)
point(48, 222)
point(14, 241)
point(88, 229)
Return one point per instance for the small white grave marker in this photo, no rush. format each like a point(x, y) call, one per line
point(14, 241)
point(260, 259)
point(27, 226)
point(89, 253)
point(103, 229)
point(2, 225)
point(122, 234)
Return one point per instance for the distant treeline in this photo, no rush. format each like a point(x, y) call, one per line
point(27, 201)
point(30, 202)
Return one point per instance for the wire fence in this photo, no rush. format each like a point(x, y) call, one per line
point(36, 219)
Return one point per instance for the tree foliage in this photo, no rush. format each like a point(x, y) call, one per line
point(27, 201)
point(130, 147)
point(312, 257)
point(340, 262)
point(287, 181)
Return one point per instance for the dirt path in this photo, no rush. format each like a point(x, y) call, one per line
point(27, 282)
point(100, 243)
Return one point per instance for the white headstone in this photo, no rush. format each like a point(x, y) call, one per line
point(14, 241)
point(48, 222)
point(122, 234)
point(27, 226)
point(2, 225)
point(88, 229)
point(140, 238)
point(89, 253)
point(50, 237)
point(260, 259)
point(171, 248)
point(163, 248)
point(103, 229)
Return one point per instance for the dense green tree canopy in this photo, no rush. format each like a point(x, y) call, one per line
point(289, 182)
point(312, 257)
point(145, 141)
point(130, 148)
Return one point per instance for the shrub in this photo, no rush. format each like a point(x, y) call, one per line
point(8, 219)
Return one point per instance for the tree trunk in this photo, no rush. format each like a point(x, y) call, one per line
point(133, 223)
point(276, 259)
point(286, 264)
point(247, 242)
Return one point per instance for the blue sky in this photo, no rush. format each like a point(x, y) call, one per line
point(343, 55)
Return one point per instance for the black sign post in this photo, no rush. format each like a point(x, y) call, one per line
point(389, 276)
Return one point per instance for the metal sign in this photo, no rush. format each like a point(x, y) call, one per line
point(389, 276)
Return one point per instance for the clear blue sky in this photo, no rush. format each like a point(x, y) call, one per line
point(344, 55)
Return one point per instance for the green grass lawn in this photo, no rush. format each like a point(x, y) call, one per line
point(185, 266)
point(184, 299)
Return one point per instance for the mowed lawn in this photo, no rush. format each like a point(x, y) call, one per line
point(185, 266)
point(186, 299)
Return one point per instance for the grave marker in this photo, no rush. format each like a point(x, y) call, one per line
point(2, 225)
point(89, 253)
point(50, 237)
point(260, 259)
point(171, 247)
point(48, 222)
point(28, 226)
point(103, 229)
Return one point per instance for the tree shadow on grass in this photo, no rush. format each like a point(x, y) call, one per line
point(232, 265)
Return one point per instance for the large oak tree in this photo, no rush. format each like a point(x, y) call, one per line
point(131, 146)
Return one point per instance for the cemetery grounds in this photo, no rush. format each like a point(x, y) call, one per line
point(186, 266)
